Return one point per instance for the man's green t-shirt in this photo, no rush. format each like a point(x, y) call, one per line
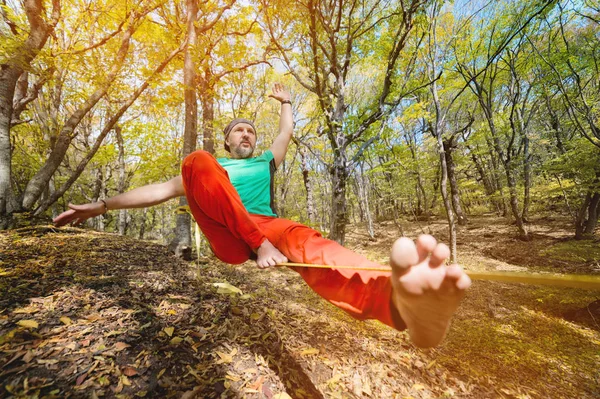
point(253, 180)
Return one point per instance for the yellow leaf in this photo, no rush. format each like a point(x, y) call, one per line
point(28, 323)
point(176, 340)
point(125, 380)
point(418, 387)
point(309, 351)
point(226, 288)
point(160, 373)
point(282, 395)
point(171, 312)
point(66, 321)
point(169, 331)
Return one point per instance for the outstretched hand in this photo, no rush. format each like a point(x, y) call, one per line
point(280, 93)
point(78, 214)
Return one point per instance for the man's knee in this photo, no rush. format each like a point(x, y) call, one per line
point(197, 162)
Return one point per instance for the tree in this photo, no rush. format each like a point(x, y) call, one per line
point(330, 40)
point(11, 68)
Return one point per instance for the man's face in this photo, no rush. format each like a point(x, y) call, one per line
point(241, 141)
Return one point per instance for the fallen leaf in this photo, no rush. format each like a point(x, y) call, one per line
point(226, 288)
point(418, 387)
point(66, 321)
point(28, 356)
point(169, 331)
point(119, 346)
point(258, 383)
point(129, 371)
point(224, 358)
point(282, 395)
point(175, 340)
point(309, 351)
point(28, 323)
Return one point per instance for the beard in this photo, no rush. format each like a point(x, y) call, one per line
point(242, 152)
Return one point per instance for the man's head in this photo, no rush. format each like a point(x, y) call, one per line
point(240, 138)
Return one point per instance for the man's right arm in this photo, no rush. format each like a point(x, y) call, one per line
point(140, 197)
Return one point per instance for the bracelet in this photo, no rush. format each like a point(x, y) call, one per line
point(286, 102)
point(105, 206)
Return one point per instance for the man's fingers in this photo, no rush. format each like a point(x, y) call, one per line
point(64, 218)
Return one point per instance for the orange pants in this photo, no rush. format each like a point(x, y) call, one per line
point(233, 234)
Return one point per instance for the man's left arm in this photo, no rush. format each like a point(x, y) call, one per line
point(286, 124)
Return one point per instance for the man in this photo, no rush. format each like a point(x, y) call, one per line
point(231, 200)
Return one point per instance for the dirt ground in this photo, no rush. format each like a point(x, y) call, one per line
point(88, 314)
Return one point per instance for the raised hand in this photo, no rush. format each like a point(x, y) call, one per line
point(280, 93)
point(78, 214)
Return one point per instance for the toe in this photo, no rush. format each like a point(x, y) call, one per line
point(404, 255)
point(425, 245)
point(439, 255)
point(459, 278)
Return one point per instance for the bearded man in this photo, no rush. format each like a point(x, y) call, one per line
point(231, 199)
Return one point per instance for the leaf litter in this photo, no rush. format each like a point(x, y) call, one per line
point(120, 318)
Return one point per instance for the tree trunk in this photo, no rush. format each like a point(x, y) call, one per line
point(121, 186)
point(207, 98)
point(592, 221)
point(339, 214)
point(182, 243)
point(448, 145)
point(526, 179)
point(580, 222)
point(143, 224)
point(363, 198)
point(310, 205)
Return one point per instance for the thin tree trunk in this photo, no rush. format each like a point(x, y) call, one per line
point(143, 224)
point(310, 205)
point(363, 198)
point(448, 148)
point(526, 179)
point(592, 212)
point(121, 186)
point(182, 243)
point(207, 98)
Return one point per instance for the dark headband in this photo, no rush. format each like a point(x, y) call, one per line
point(230, 127)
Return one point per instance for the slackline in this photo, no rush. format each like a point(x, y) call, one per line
point(563, 280)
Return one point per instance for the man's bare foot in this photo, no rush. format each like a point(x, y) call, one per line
point(268, 255)
point(426, 291)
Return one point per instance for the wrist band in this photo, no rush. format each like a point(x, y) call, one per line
point(286, 102)
point(105, 206)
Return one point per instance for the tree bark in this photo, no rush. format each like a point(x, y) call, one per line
point(448, 145)
point(339, 213)
point(310, 205)
point(182, 243)
point(121, 186)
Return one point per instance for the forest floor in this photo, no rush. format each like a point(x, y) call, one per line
point(88, 314)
